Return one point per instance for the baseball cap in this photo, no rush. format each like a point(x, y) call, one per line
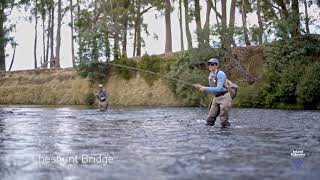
point(213, 61)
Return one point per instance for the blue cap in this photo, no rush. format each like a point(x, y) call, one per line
point(213, 61)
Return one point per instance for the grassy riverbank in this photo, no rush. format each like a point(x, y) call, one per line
point(66, 87)
point(286, 76)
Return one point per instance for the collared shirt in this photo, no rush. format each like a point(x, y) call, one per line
point(221, 77)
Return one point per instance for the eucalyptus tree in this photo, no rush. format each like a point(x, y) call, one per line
point(187, 21)
point(6, 7)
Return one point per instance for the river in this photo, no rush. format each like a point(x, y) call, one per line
point(157, 143)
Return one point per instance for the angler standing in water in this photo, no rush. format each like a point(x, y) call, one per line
point(221, 103)
point(102, 97)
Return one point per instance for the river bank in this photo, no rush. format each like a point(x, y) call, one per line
point(66, 87)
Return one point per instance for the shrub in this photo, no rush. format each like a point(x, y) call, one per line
point(291, 71)
point(191, 68)
point(150, 63)
point(89, 99)
point(308, 89)
point(124, 72)
point(94, 70)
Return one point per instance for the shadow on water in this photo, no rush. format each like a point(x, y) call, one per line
point(156, 143)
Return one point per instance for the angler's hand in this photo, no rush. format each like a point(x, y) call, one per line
point(199, 87)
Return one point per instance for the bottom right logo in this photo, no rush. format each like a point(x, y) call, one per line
point(297, 158)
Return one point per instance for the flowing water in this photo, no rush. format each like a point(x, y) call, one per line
point(156, 143)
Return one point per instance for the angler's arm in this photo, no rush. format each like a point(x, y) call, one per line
point(210, 90)
point(218, 88)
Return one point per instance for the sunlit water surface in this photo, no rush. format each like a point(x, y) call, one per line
point(156, 143)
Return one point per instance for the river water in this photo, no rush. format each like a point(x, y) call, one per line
point(157, 143)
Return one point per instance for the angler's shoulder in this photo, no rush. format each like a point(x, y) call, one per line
point(221, 74)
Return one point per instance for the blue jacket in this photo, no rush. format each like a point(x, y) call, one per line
point(221, 77)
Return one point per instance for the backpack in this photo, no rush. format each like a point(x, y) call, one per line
point(232, 87)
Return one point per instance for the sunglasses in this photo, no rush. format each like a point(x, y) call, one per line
point(211, 64)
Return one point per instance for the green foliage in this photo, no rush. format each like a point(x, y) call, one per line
point(124, 72)
point(308, 89)
point(191, 68)
point(150, 63)
point(291, 75)
point(89, 99)
point(94, 70)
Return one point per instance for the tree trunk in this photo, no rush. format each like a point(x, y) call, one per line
point(296, 17)
point(168, 45)
point(2, 41)
point(72, 36)
point(45, 65)
point(218, 15)
point(244, 23)
point(35, 36)
point(95, 51)
point(14, 54)
point(43, 40)
point(231, 22)
point(107, 46)
point(139, 38)
point(186, 19)
point(260, 22)
point(125, 29)
point(224, 31)
point(197, 15)
point(137, 30)
point(135, 40)
point(52, 38)
point(206, 27)
point(80, 50)
point(58, 37)
point(307, 16)
point(180, 24)
point(116, 45)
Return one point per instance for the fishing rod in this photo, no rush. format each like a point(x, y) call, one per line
point(151, 72)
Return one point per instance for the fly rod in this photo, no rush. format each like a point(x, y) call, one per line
point(151, 72)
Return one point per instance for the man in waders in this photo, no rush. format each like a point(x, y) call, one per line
point(221, 103)
point(102, 97)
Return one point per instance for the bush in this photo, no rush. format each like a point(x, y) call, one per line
point(191, 68)
point(89, 99)
point(150, 63)
point(94, 70)
point(291, 71)
point(124, 72)
point(251, 96)
point(308, 89)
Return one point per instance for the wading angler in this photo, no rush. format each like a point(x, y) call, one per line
point(224, 91)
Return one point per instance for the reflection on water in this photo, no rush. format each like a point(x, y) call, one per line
point(156, 143)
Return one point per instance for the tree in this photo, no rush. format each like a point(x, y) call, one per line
point(245, 8)
point(72, 36)
point(58, 37)
point(6, 7)
point(260, 22)
point(35, 34)
point(296, 18)
point(168, 45)
point(197, 16)
point(125, 23)
point(51, 30)
point(307, 16)
point(206, 27)
point(187, 21)
point(180, 25)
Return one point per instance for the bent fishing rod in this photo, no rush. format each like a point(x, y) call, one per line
point(151, 72)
